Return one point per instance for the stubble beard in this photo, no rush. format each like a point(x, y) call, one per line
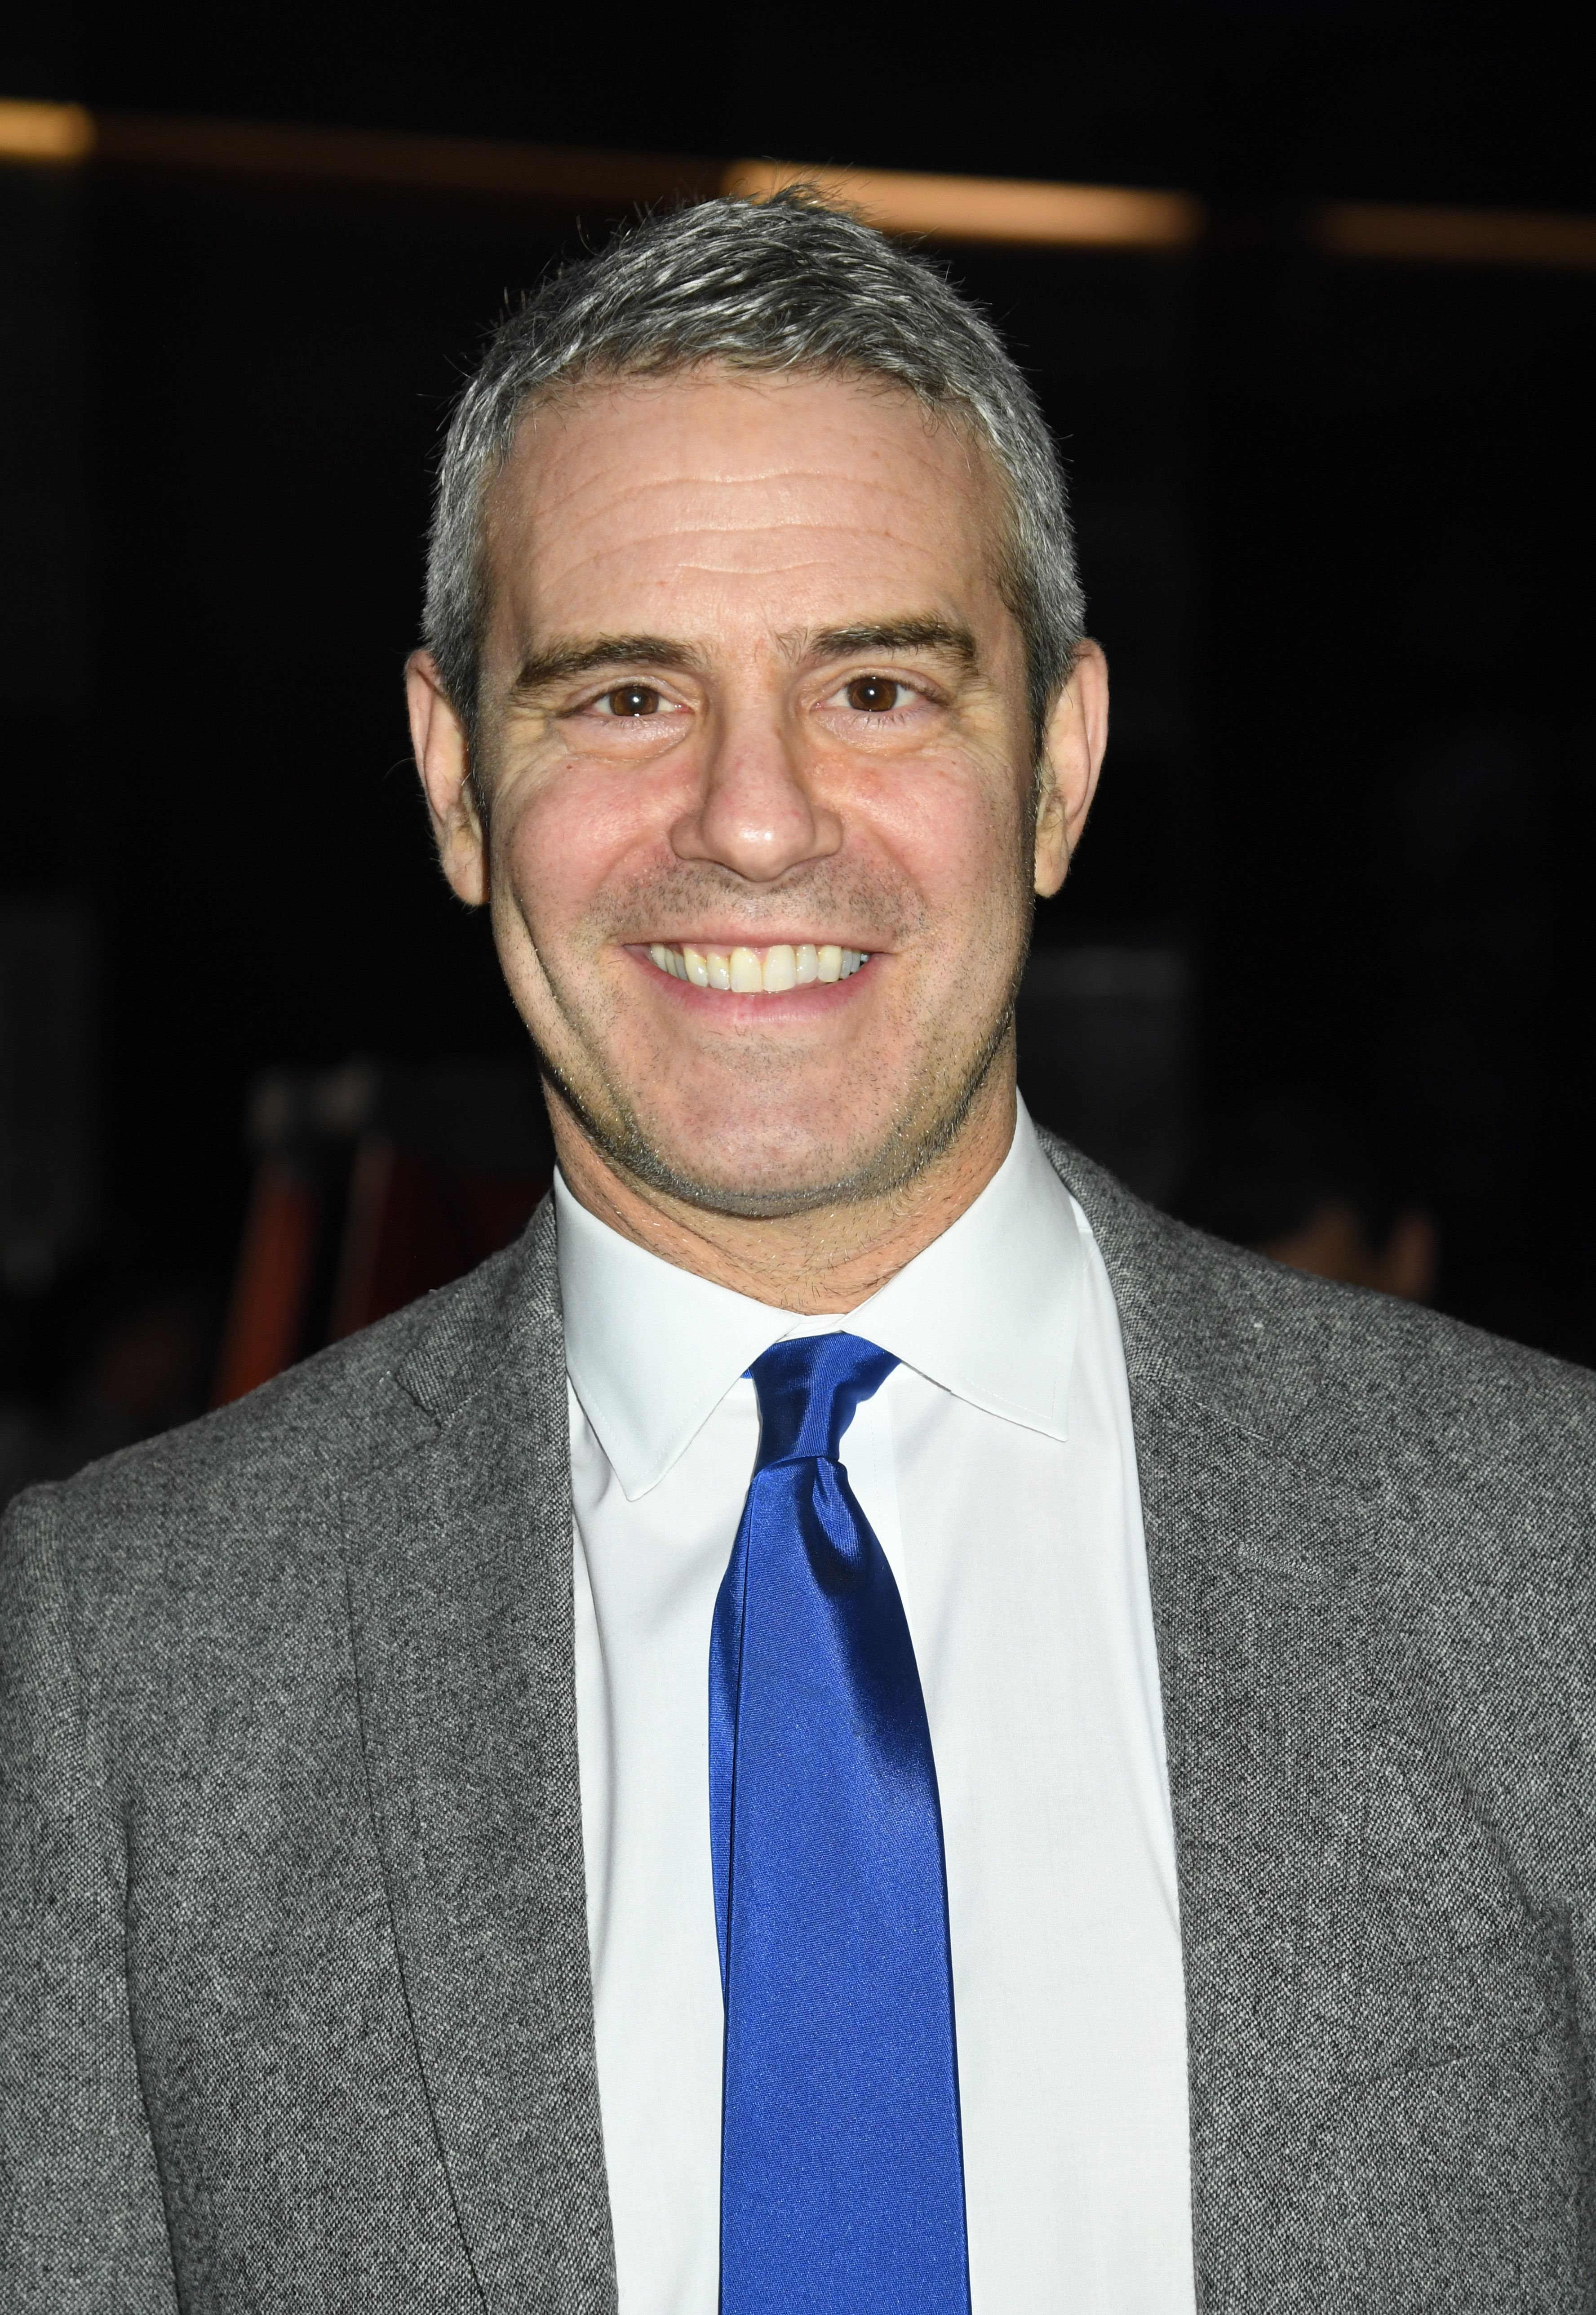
point(936, 1105)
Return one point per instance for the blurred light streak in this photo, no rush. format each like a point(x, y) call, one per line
point(1437, 236)
point(44, 132)
point(990, 208)
point(381, 159)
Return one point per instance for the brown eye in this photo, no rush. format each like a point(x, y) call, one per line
point(633, 699)
point(872, 694)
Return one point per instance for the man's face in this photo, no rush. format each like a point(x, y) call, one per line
point(754, 709)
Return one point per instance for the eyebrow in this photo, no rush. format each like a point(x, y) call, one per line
point(560, 662)
point(563, 662)
point(892, 636)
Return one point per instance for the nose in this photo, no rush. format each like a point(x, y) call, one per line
point(755, 811)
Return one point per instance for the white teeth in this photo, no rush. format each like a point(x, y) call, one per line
point(752, 971)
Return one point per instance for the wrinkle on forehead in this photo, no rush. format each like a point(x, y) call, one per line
point(540, 452)
point(625, 494)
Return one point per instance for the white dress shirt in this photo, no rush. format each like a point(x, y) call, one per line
point(997, 1468)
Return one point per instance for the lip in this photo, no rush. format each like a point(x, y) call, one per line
point(773, 937)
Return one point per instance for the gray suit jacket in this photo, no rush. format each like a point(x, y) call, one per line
point(295, 2009)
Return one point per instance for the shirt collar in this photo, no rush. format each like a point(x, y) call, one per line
point(988, 1310)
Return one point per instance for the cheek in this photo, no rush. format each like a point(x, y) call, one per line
point(569, 838)
point(954, 831)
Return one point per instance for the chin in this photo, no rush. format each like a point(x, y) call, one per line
point(766, 1151)
point(762, 1167)
point(761, 1176)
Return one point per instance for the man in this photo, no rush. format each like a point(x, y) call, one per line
point(860, 1722)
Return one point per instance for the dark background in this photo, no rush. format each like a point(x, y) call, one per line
point(1335, 516)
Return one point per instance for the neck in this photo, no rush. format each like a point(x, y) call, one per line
point(829, 1259)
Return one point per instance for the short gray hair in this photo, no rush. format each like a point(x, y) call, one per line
point(783, 284)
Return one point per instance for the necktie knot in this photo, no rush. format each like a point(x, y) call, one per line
point(808, 1391)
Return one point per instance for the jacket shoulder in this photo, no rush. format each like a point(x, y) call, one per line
point(1404, 1395)
point(259, 1478)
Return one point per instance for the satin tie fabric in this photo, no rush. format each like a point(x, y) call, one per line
point(842, 2177)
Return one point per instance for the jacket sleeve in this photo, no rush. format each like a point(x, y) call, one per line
point(82, 2222)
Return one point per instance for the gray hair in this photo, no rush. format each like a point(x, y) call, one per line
point(783, 284)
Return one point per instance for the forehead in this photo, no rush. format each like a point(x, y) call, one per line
point(740, 499)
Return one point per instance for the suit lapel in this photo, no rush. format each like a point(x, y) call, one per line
point(459, 1562)
point(1260, 1666)
point(1252, 1555)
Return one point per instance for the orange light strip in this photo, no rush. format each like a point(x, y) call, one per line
point(382, 160)
point(1369, 229)
point(990, 208)
point(994, 209)
point(44, 132)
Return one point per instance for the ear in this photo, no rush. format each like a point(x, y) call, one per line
point(1071, 759)
point(443, 759)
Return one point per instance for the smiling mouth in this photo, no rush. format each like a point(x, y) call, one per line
point(758, 971)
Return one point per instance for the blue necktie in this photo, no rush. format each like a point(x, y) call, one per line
point(842, 2175)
